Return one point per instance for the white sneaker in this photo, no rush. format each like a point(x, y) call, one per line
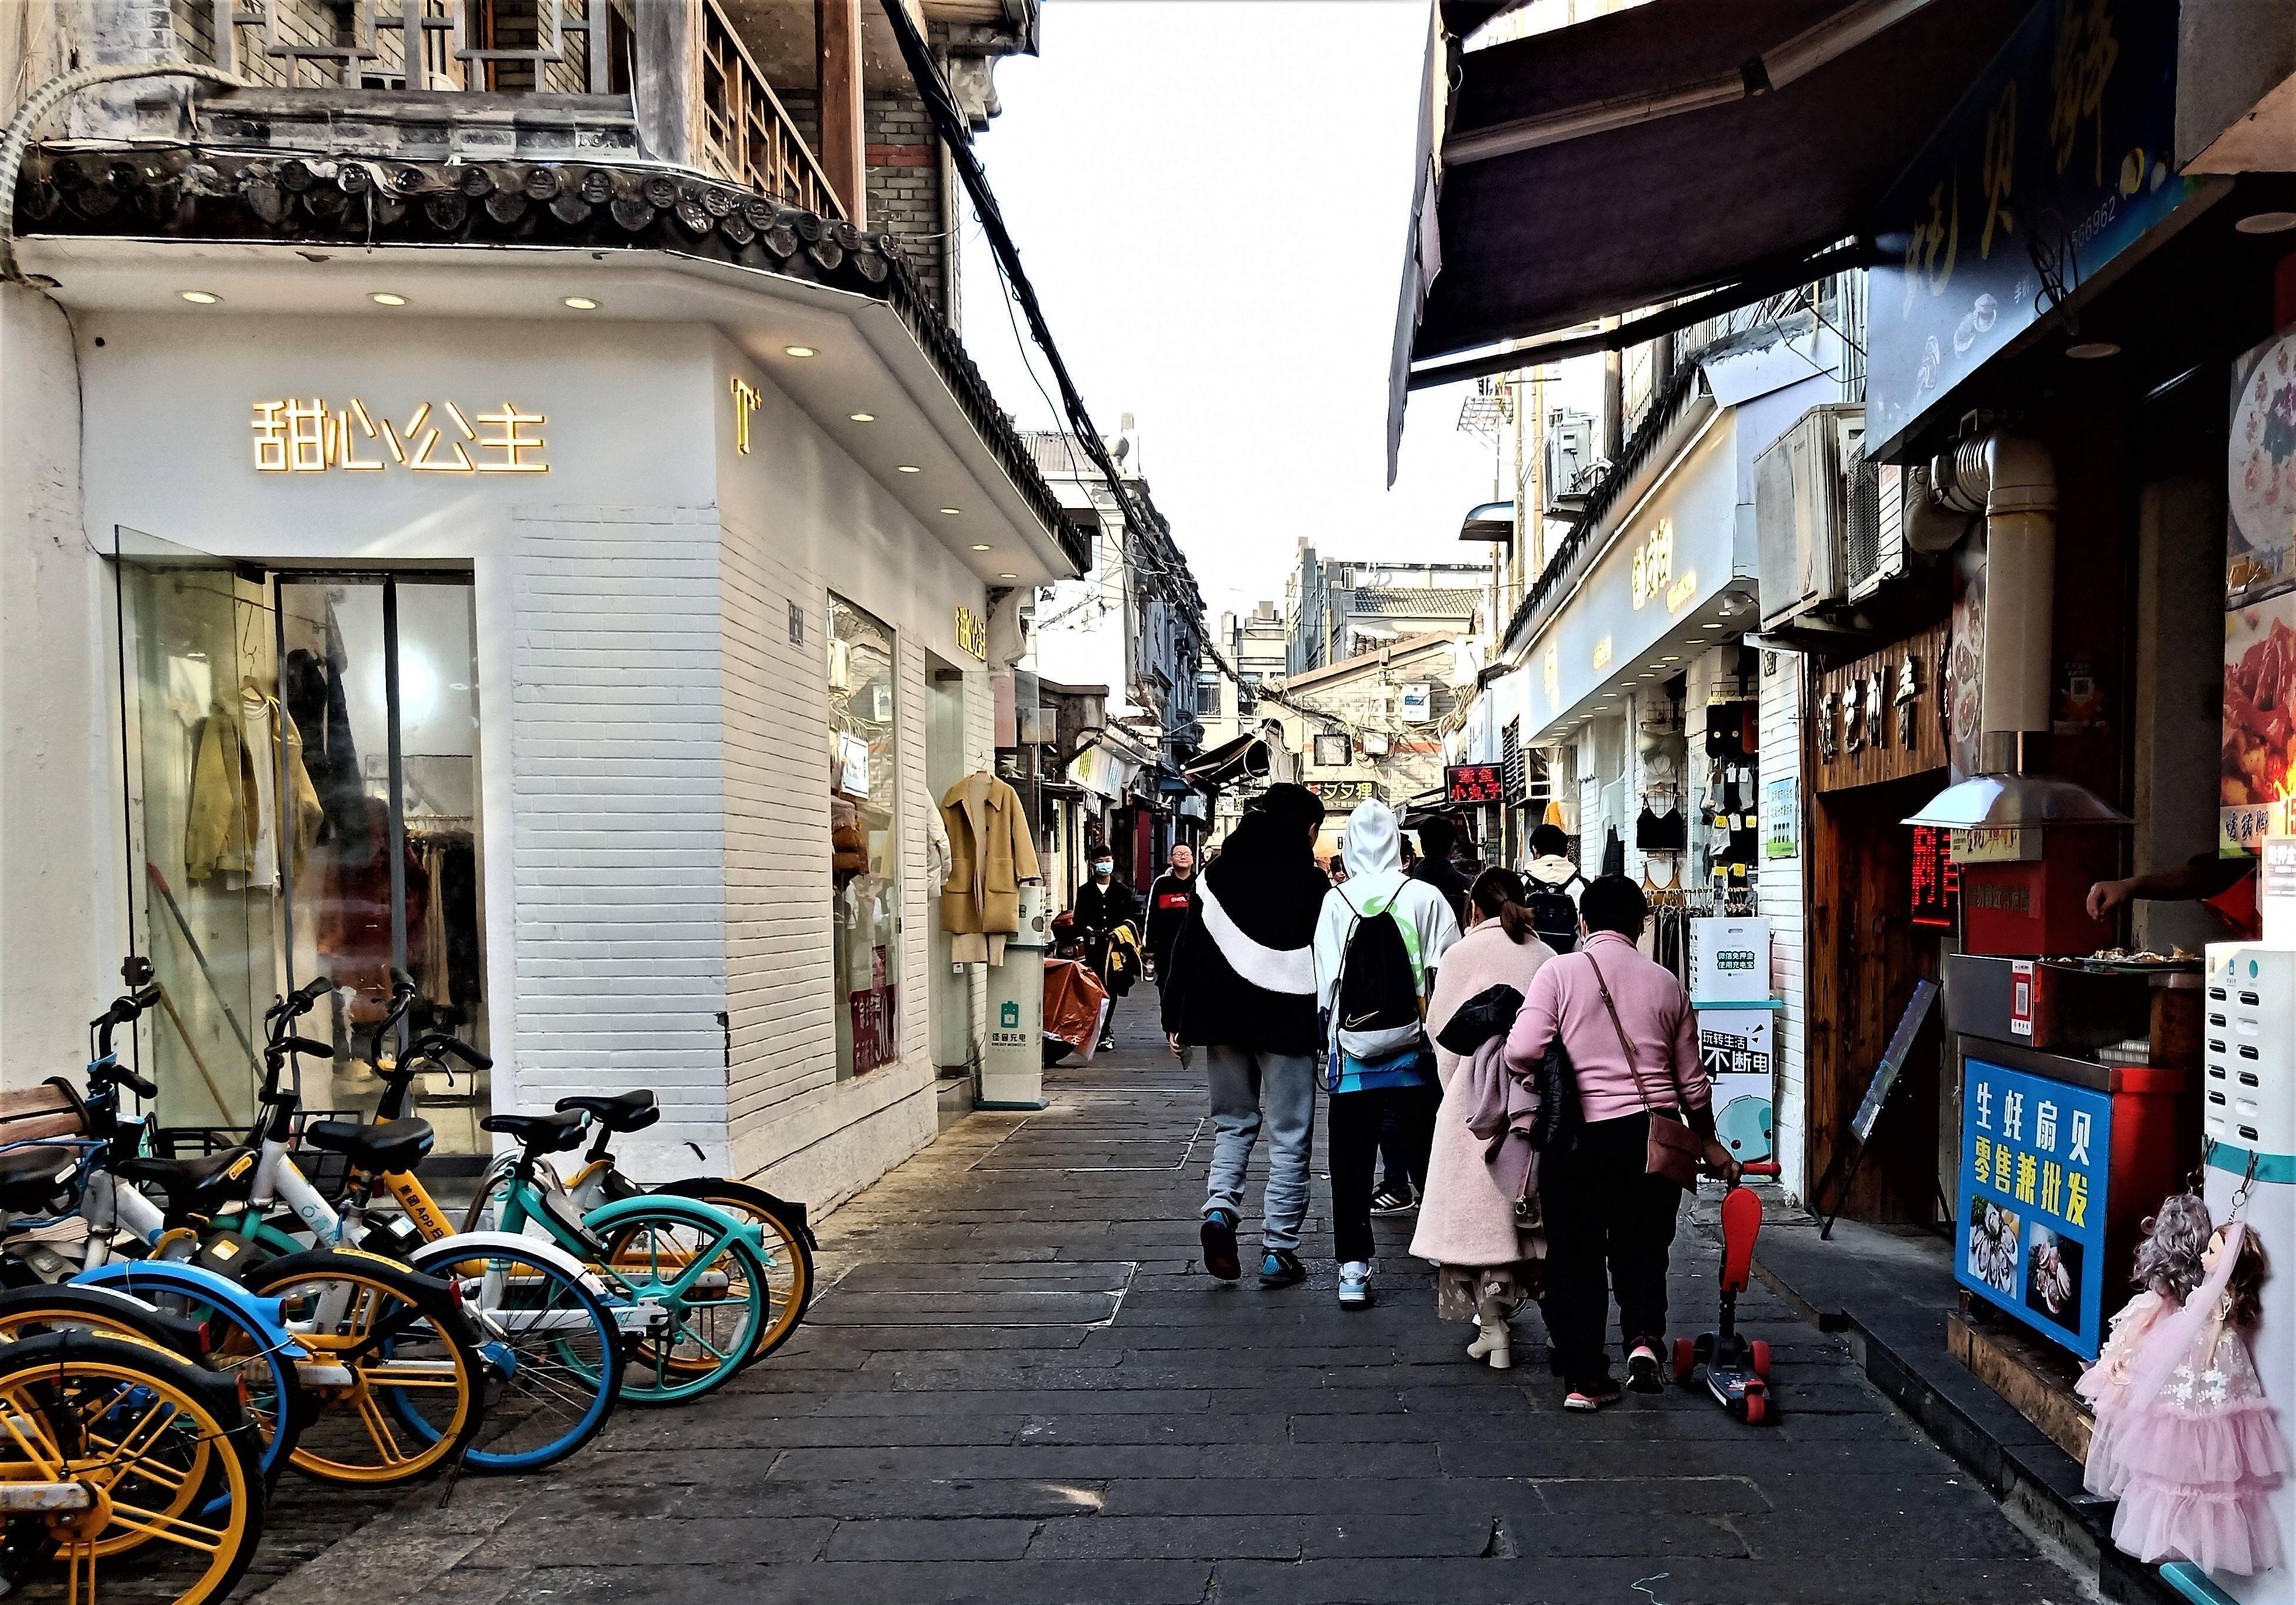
point(1354, 1285)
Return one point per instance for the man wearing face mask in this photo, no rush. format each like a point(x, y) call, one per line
point(1103, 903)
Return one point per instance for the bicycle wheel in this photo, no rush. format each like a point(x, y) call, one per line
point(788, 1260)
point(387, 1346)
point(556, 1343)
point(188, 1327)
point(710, 1286)
point(134, 1438)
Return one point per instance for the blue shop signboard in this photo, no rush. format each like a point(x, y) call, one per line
point(2059, 158)
point(2034, 1160)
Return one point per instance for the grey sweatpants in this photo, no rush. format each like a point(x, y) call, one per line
point(1248, 1087)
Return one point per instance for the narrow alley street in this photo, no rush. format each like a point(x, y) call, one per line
point(1018, 1386)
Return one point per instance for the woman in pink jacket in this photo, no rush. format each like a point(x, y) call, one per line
point(1604, 1212)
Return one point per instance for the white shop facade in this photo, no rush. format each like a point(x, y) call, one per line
point(598, 666)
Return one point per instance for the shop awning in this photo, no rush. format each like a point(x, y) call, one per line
point(1678, 147)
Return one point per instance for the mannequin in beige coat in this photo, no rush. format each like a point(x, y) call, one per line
point(1485, 1265)
point(991, 853)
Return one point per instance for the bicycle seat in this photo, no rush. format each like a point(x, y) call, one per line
point(544, 1134)
point(631, 1111)
point(200, 1185)
point(31, 1178)
point(383, 1149)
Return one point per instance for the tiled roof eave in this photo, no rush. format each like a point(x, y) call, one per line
point(204, 193)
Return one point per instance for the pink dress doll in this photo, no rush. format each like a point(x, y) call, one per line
point(2194, 1446)
point(2168, 1269)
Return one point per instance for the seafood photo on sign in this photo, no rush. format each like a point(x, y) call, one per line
point(2260, 687)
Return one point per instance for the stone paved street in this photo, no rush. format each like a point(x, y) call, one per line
point(1018, 1387)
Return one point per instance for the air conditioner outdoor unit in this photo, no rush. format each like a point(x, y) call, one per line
point(1877, 527)
point(1801, 511)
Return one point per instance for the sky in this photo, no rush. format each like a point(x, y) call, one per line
point(1211, 197)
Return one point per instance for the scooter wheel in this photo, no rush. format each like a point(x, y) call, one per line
point(1686, 1359)
point(1759, 1351)
point(1757, 1406)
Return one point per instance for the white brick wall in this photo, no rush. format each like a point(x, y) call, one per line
point(1783, 903)
point(793, 1124)
point(619, 838)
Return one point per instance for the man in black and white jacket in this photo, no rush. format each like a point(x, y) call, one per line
point(1240, 983)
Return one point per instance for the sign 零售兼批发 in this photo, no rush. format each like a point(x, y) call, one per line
point(2034, 1166)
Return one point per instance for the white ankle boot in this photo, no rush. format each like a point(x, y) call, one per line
point(1493, 1342)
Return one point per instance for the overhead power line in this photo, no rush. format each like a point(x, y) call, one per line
point(1150, 534)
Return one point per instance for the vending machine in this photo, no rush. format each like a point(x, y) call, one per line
point(2250, 1123)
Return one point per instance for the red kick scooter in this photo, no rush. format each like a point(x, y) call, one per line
point(1737, 1369)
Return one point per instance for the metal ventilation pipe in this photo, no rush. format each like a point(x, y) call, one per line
point(2012, 481)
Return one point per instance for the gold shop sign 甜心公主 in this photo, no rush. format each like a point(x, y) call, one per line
point(299, 436)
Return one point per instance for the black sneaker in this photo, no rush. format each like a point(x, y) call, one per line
point(1390, 1201)
point(1219, 1246)
point(1282, 1269)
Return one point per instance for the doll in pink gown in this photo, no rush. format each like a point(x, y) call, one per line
point(2185, 1436)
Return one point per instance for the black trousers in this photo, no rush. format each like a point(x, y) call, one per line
point(1604, 1214)
point(1355, 1118)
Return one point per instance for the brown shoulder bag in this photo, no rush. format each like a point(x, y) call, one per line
point(1673, 1150)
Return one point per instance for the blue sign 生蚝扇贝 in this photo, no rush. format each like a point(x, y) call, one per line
point(2059, 158)
point(2034, 1156)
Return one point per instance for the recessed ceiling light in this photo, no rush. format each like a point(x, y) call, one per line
point(581, 303)
point(950, 511)
point(2266, 223)
point(388, 298)
point(800, 351)
point(1669, 659)
point(200, 298)
point(1008, 576)
point(2091, 351)
point(977, 546)
point(862, 417)
point(910, 468)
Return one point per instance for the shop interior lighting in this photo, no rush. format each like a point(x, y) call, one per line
point(581, 303)
point(1008, 576)
point(952, 511)
point(388, 298)
point(200, 298)
point(910, 468)
point(2091, 351)
point(799, 351)
point(980, 545)
point(2266, 223)
point(862, 417)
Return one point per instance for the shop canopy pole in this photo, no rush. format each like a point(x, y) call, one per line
point(397, 838)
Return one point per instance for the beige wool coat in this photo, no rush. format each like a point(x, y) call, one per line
point(990, 852)
point(1462, 1219)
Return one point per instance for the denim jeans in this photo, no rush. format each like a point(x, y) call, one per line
point(1250, 1088)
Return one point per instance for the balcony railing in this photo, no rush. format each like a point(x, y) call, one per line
point(745, 133)
point(319, 44)
point(730, 123)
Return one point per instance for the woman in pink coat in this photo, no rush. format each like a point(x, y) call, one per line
point(1487, 1263)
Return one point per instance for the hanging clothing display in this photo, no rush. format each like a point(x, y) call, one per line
point(1661, 830)
point(353, 921)
point(992, 852)
point(218, 827)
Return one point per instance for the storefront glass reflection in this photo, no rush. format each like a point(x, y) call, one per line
point(863, 804)
point(260, 793)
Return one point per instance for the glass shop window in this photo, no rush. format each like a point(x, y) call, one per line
point(302, 776)
point(864, 816)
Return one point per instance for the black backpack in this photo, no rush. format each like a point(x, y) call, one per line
point(1376, 1007)
point(1555, 913)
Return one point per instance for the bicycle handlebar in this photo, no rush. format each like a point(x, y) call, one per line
point(305, 1044)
